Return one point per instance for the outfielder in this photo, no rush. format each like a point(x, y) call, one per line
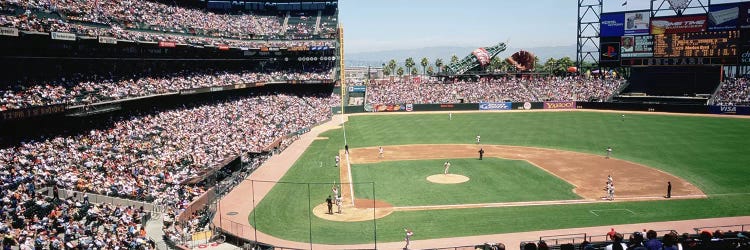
point(479, 139)
point(338, 159)
point(450, 116)
point(447, 165)
point(609, 152)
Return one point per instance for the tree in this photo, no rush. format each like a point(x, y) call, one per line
point(550, 65)
point(454, 58)
point(392, 66)
point(414, 71)
point(430, 70)
point(400, 71)
point(386, 71)
point(409, 63)
point(496, 63)
point(439, 64)
point(424, 64)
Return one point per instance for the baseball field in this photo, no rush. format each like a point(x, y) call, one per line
point(541, 170)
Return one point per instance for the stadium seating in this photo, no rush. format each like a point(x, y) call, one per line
point(161, 150)
point(496, 90)
point(149, 21)
point(734, 92)
point(92, 88)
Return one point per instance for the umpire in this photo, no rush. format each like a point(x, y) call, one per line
point(481, 153)
point(329, 202)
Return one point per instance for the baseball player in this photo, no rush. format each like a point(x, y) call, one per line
point(338, 159)
point(450, 116)
point(335, 191)
point(623, 117)
point(339, 203)
point(609, 152)
point(479, 139)
point(447, 165)
point(407, 238)
point(380, 152)
point(611, 192)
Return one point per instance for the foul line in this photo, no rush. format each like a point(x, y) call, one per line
point(351, 185)
point(613, 209)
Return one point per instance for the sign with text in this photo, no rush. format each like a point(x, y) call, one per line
point(636, 23)
point(560, 105)
point(63, 36)
point(637, 46)
point(107, 40)
point(744, 18)
point(723, 17)
point(612, 24)
point(6, 31)
point(672, 25)
point(495, 105)
point(165, 44)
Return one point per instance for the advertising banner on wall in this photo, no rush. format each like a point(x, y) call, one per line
point(559, 105)
point(636, 23)
point(63, 36)
point(357, 89)
point(723, 17)
point(6, 31)
point(672, 25)
point(388, 107)
point(610, 52)
point(729, 110)
point(495, 105)
point(612, 24)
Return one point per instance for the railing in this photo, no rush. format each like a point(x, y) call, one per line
point(99, 198)
point(741, 227)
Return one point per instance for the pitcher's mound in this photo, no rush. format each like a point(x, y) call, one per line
point(447, 178)
point(362, 212)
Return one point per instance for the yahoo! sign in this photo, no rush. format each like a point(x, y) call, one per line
point(559, 105)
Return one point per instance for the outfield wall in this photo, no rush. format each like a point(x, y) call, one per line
point(672, 108)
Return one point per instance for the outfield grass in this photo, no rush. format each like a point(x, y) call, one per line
point(709, 152)
point(404, 183)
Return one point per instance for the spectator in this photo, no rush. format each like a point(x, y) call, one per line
point(617, 243)
point(652, 243)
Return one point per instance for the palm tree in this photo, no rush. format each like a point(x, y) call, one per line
point(430, 70)
point(409, 64)
point(400, 71)
point(424, 64)
point(386, 71)
point(454, 58)
point(439, 64)
point(414, 71)
point(392, 66)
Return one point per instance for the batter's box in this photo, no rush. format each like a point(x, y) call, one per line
point(612, 212)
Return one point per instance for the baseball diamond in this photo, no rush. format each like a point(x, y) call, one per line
point(569, 156)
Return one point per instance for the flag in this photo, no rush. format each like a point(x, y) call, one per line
point(624, 3)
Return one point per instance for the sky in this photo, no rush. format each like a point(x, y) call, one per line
point(377, 25)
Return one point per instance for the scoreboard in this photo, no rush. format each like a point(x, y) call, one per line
point(721, 36)
point(699, 44)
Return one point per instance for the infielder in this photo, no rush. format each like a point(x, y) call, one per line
point(338, 159)
point(609, 152)
point(407, 238)
point(447, 165)
point(380, 152)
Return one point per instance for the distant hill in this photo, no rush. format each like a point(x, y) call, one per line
point(379, 57)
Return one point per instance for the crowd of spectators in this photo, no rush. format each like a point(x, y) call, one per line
point(85, 88)
point(144, 157)
point(648, 240)
point(494, 90)
point(158, 16)
point(32, 221)
point(32, 22)
point(734, 92)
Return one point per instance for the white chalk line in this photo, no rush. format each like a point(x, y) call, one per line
point(593, 211)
